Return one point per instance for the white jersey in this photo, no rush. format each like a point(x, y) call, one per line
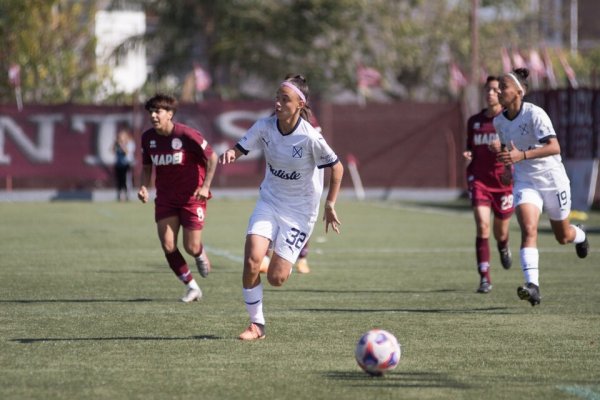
point(294, 172)
point(529, 130)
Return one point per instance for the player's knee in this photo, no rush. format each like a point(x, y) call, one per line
point(276, 279)
point(193, 249)
point(168, 247)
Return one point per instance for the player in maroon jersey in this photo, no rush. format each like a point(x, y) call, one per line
point(184, 166)
point(489, 185)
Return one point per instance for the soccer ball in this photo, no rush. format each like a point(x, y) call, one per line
point(377, 352)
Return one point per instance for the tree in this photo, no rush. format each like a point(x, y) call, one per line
point(52, 43)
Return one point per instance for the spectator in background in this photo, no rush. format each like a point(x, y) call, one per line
point(124, 149)
point(489, 185)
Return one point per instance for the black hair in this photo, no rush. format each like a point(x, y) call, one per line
point(491, 78)
point(521, 74)
point(300, 82)
point(161, 100)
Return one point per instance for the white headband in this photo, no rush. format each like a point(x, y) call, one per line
point(295, 89)
point(519, 86)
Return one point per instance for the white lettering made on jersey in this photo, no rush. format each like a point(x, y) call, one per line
point(283, 174)
point(167, 159)
point(484, 138)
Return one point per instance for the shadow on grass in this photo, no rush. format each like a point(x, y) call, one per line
point(362, 291)
point(493, 310)
point(142, 300)
point(397, 379)
point(118, 338)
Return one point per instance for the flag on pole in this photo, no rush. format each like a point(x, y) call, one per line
point(536, 67)
point(458, 80)
point(14, 77)
point(367, 77)
point(506, 63)
point(550, 70)
point(518, 60)
point(203, 79)
point(568, 70)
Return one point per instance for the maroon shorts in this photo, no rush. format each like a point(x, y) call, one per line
point(191, 215)
point(500, 202)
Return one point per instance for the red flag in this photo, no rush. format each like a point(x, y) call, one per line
point(568, 70)
point(458, 79)
point(367, 77)
point(506, 63)
point(14, 75)
point(518, 60)
point(203, 80)
point(549, 70)
point(536, 64)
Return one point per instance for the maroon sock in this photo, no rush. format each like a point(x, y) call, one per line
point(179, 266)
point(482, 250)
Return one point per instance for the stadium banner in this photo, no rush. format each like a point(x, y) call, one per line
point(70, 146)
point(397, 145)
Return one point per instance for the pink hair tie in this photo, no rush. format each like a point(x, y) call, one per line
point(295, 89)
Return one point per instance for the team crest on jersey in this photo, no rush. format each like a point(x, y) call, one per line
point(153, 144)
point(477, 125)
point(297, 152)
point(523, 128)
point(176, 144)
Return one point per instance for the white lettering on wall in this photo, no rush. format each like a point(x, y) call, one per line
point(105, 133)
point(43, 152)
point(226, 123)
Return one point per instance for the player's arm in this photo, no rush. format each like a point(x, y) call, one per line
point(335, 181)
point(202, 192)
point(230, 155)
point(145, 182)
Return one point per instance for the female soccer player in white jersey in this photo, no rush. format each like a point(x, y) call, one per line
point(529, 142)
point(290, 194)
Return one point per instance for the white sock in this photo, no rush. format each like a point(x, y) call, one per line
point(530, 258)
point(193, 285)
point(579, 235)
point(253, 299)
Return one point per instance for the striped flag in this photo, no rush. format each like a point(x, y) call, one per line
point(550, 70)
point(506, 63)
point(203, 80)
point(568, 70)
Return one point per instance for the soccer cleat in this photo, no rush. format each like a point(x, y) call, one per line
point(506, 258)
point(530, 292)
point(484, 287)
point(583, 247)
point(253, 332)
point(203, 264)
point(302, 266)
point(192, 295)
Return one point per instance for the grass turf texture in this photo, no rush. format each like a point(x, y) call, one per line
point(88, 309)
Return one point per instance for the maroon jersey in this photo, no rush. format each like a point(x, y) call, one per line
point(483, 168)
point(179, 161)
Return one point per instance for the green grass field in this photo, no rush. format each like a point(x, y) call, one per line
point(89, 309)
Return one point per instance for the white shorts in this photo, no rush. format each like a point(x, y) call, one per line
point(554, 198)
point(287, 233)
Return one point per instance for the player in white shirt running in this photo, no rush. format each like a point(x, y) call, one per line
point(529, 142)
point(290, 194)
